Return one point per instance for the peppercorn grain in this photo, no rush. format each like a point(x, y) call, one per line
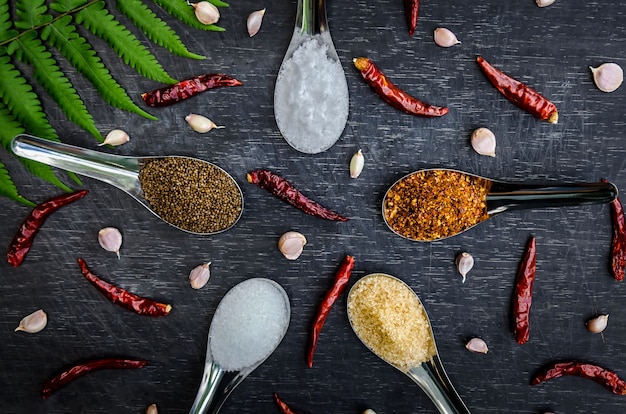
point(191, 194)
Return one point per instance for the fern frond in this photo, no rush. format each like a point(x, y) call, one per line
point(31, 14)
point(156, 29)
point(67, 6)
point(185, 13)
point(62, 34)
point(8, 188)
point(6, 26)
point(12, 127)
point(98, 20)
point(54, 81)
point(23, 103)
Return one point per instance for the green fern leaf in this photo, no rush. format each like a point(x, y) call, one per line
point(12, 127)
point(6, 27)
point(184, 12)
point(49, 75)
point(67, 6)
point(64, 36)
point(31, 14)
point(156, 29)
point(97, 19)
point(8, 189)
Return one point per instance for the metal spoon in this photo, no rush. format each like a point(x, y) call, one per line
point(430, 375)
point(305, 125)
point(119, 171)
point(505, 196)
point(217, 381)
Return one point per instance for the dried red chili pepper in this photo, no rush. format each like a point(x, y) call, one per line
point(393, 95)
point(521, 95)
point(284, 408)
point(603, 376)
point(284, 190)
point(339, 284)
point(618, 243)
point(25, 236)
point(522, 298)
point(187, 88)
point(124, 298)
point(84, 368)
point(411, 10)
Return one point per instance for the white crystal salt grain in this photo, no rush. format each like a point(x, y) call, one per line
point(311, 98)
point(248, 324)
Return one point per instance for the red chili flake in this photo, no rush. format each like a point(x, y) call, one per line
point(124, 298)
point(284, 408)
point(187, 88)
point(25, 236)
point(618, 243)
point(393, 95)
point(411, 10)
point(284, 190)
point(524, 293)
point(520, 94)
point(84, 368)
point(603, 376)
point(339, 284)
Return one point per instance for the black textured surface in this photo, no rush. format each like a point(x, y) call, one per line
point(550, 49)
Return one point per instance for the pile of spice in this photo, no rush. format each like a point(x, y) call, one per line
point(391, 321)
point(433, 204)
point(191, 194)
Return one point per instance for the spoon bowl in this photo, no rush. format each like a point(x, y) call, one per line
point(268, 311)
point(462, 200)
point(311, 92)
point(119, 171)
point(391, 321)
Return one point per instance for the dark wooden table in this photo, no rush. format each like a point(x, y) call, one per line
point(550, 49)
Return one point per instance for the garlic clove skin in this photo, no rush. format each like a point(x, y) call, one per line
point(608, 76)
point(291, 244)
point(356, 164)
point(477, 345)
point(445, 38)
point(484, 142)
point(598, 324)
point(206, 13)
point(199, 276)
point(152, 409)
point(33, 323)
point(254, 22)
point(464, 263)
point(115, 137)
point(110, 239)
point(544, 3)
point(200, 123)
point(369, 411)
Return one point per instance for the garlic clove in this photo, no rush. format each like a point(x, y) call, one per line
point(608, 76)
point(369, 411)
point(356, 164)
point(484, 142)
point(291, 244)
point(152, 409)
point(110, 239)
point(115, 137)
point(206, 13)
point(464, 263)
point(201, 123)
point(445, 38)
point(544, 3)
point(34, 322)
point(598, 324)
point(199, 276)
point(254, 21)
point(477, 345)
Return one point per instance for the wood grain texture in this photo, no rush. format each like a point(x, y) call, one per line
point(550, 49)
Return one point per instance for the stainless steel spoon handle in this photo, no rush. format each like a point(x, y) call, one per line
point(507, 196)
point(433, 380)
point(211, 379)
point(311, 17)
point(121, 172)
